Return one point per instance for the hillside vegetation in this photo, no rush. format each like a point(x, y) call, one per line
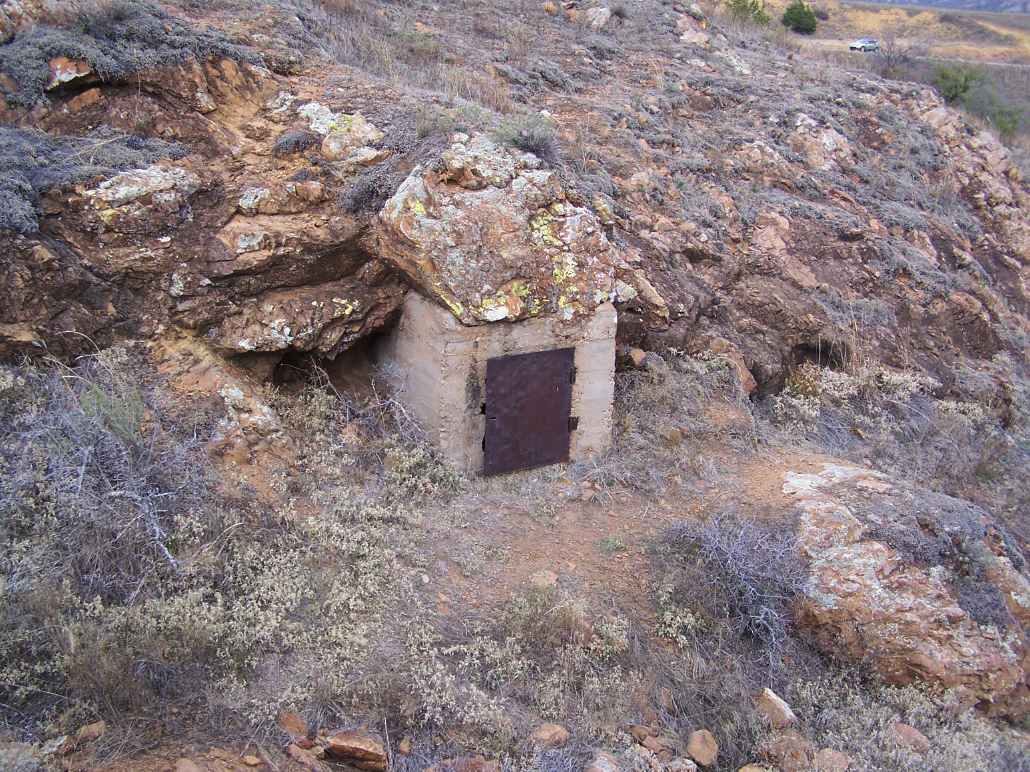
point(230, 545)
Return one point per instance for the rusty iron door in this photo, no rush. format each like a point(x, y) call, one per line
point(528, 406)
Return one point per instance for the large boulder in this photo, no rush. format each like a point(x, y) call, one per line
point(910, 585)
point(493, 234)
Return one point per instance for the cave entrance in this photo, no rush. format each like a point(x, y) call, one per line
point(833, 355)
point(352, 374)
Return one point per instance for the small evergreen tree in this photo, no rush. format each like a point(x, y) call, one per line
point(956, 81)
point(749, 10)
point(800, 17)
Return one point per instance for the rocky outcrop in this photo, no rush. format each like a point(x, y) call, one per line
point(738, 210)
point(493, 234)
point(905, 612)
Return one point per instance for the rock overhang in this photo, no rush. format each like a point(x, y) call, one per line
point(493, 234)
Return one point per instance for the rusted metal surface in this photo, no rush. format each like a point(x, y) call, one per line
point(528, 405)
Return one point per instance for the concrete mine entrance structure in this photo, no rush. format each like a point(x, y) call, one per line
point(505, 348)
point(508, 395)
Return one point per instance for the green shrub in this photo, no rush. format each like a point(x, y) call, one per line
point(800, 18)
point(956, 80)
point(749, 10)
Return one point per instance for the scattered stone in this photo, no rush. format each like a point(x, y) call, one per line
point(474, 764)
point(91, 732)
point(404, 746)
point(59, 746)
point(665, 698)
point(551, 736)
point(640, 758)
point(307, 758)
point(292, 723)
point(543, 578)
point(187, 765)
point(252, 761)
point(597, 17)
point(603, 762)
point(680, 765)
point(549, 8)
point(640, 732)
point(81, 101)
point(637, 356)
point(830, 760)
point(703, 748)
point(774, 710)
point(689, 30)
point(363, 750)
point(908, 736)
point(789, 751)
point(662, 747)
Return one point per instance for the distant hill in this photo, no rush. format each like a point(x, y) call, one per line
point(998, 6)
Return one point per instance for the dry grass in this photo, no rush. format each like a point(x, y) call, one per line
point(233, 610)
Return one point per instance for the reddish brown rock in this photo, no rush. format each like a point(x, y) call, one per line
point(80, 102)
point(774, 710)
point(91, 732)
point(359, 748)
point(703, 748)
point(789, 751)
point(641, 732)
point(551, 736)
point(292, 723)
point(306, 758)
point(866, 605)
point(908, 737)
point(475, 764)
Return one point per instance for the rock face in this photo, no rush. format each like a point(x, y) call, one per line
point(741, 212)
point(899, 610)
point(492, 235)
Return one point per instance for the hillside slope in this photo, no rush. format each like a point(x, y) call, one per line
point(826, 274)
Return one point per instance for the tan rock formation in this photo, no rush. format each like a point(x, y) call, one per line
point(867, 605)
point(494, 235)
